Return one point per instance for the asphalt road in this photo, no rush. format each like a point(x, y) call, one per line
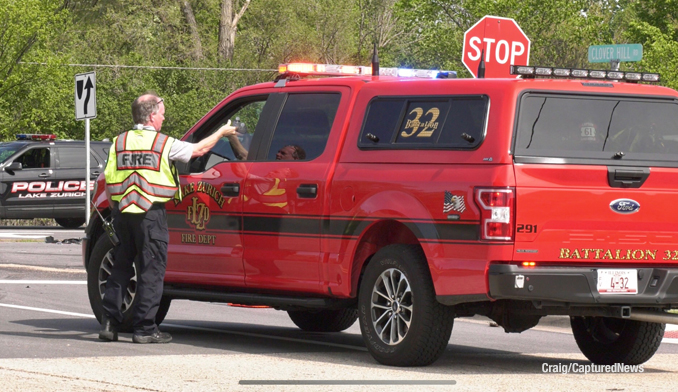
point(48, 341)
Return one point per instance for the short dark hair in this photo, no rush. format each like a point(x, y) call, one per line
point(299, 152)
point(143, 106)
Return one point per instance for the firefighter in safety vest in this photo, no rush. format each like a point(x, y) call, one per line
point(140, 179)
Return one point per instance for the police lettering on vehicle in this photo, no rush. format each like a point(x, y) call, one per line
point(44, 189)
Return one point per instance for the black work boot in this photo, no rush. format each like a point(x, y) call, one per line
point(109, 332)
point(157, 337)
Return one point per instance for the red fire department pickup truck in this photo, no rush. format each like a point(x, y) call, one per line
point(411, 198)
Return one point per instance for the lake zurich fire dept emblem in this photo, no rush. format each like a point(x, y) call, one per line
point(197, 214)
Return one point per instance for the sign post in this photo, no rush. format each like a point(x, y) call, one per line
point(85, 109)
point(502, 43)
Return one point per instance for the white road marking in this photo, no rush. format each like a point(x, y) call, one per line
point(43, 282)
point(199, 328)
point(47, 310)
point(44, 269)
point(23, 236)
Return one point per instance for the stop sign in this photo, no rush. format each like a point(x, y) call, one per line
point(504, 43)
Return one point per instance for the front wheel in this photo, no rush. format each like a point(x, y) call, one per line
point(99, 269)
point(606, 341)
point(401, 321)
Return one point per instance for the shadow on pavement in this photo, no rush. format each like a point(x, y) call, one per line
point(221, 337)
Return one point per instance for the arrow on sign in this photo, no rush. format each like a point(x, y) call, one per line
point(88, 87)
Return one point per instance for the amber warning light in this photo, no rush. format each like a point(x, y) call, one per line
point(529, 264)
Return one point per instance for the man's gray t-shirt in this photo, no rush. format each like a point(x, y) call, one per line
point(180, 151)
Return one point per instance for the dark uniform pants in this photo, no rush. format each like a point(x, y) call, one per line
point(143, 237)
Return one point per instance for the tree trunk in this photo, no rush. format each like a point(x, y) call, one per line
point(228, 25)
point(190, 19)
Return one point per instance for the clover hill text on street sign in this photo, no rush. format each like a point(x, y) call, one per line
point(504, 43)
point(606, 53)
point(85, 96)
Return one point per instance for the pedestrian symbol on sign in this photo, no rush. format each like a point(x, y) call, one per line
point(85, 96)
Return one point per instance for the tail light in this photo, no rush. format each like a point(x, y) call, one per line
point(497, 212)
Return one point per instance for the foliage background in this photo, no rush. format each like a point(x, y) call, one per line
point(40, 38)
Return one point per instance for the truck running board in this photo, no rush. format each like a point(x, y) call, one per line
point(275, 301)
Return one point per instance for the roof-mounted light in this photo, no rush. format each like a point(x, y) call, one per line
point(531, 72)
point(543, 71)
point(633, 76)
point(35, 136)
point(562, 72)
point(306, 69)
point(650, 77)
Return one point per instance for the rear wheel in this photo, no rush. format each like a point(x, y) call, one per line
point(326, 320)
point(607, 341)
point(401, 321)
point(70, 223)
point(99, 269)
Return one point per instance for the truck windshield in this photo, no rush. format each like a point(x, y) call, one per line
point(591, 127)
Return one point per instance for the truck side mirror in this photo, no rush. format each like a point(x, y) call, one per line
point(14, 166)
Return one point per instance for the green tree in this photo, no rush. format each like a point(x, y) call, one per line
point(26, 28)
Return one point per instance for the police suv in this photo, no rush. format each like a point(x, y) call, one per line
point(41, 177)
point(408, 199)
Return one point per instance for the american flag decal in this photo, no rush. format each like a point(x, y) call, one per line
point(453, 203)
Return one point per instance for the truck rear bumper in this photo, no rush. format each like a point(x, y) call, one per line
point(577, 285)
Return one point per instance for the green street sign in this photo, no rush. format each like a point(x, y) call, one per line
point(607, 53)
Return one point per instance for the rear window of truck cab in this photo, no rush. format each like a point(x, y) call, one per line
point(439, 122)
point(621, 129)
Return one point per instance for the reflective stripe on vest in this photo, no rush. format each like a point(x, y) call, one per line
point(143, 184)
point(134, 198)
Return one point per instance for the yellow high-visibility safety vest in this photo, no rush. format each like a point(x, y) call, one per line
point(139, 172)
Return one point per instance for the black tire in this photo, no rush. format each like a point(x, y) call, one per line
point(430, 323)
point(606, 341)
point(102, 255)
point(70, 223)
point(326, 320)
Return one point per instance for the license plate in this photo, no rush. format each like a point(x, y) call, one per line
point(617, 281)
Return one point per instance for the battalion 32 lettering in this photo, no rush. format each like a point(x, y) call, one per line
point(617, 254)
point(40, 189)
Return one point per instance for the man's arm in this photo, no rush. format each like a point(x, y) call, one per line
point(238, 148)
point(202, 147)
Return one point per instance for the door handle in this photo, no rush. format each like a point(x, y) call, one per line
point(94, 174)
point(43, 175)
point(307, 191)
point(231, 189)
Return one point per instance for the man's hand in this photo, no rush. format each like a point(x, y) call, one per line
point(202, 147)
point(227, 130)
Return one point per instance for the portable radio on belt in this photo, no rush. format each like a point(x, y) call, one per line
point(108, 227)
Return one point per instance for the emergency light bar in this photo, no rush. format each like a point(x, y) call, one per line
point(307, 69)
point(35, 136)
point(531, 72)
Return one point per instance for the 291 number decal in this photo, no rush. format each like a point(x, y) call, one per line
point(528, 229)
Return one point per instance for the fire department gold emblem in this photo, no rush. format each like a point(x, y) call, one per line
point(197, 214)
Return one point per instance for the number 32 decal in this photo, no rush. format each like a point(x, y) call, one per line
point(429, 126)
